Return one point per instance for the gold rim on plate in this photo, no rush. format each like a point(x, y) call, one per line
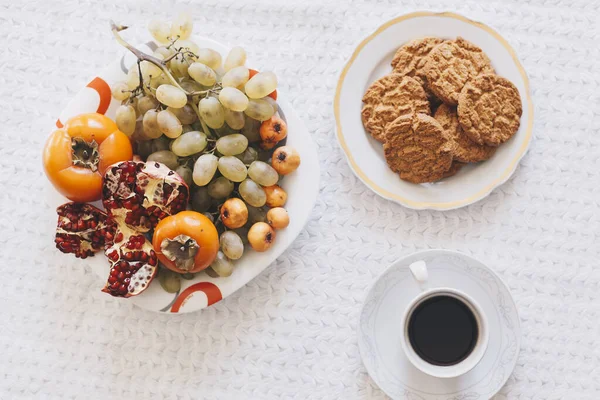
point(433, 205)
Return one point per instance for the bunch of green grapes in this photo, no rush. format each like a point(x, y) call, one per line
point(215, 123)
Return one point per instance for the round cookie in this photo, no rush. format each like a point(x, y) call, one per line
point(454, 168)
point(410, 58)
point(467, 151)
point(489, 109)
point(450, 65)
point(418, 148)
point(389, 97)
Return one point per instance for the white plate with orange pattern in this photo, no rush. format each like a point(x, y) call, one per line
point(302, 187)
point(371, 60)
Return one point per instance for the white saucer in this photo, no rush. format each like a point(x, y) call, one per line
point(379, 328)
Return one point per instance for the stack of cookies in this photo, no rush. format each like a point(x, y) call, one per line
point(441, 107)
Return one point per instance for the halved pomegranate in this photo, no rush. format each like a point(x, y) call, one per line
point(137, 195)
point(140, 194)
point(133, 263)
point(82, 229)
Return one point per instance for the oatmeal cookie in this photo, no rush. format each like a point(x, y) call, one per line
point(418, 148)
point(450, 65)
point(389, 97)
point(410, 59)
point(489, 109)
point(467, 151)
point(454, 168)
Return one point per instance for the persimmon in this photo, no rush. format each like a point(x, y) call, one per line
point(186, 242)
point(76, 156)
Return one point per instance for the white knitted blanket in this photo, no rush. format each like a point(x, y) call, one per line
point(291, 332)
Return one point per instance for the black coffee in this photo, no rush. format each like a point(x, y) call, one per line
point(443, 330)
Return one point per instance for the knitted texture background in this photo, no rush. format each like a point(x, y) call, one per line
point(291, 332)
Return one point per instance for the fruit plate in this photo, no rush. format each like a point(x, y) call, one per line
point(371, 60)
point(302, 187)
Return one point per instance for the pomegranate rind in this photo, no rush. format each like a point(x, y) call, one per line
point(82, 229)
point(133, 263)
point(141, 194)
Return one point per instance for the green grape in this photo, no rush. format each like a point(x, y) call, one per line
point(204, 169)
point(179, 66)
point(159, 30)
point(235, 58)
point(190, 85)
point(144, 148)
point(188, 46)
point(120, 91)
point(233, 99)
point(231, 145)
point(231, 245)
point(259, 109)
point(242, 233)
point(185, 173)
point(252, 193)
point(236, 77)
point(261, 84)
point(186, 114)
point(133, 77)
point(256, 214)
point(262, 173)
point(125, 119)
point(159, 80)
point(202, 74)
point(146, 103)
point(169, 124)
point(150, 124)
point(272, 102)
point(150, 70)
point(264, 155)
point(189, 143)
point(234, 119)
point(248, 156)
point(222, 265)
point(211, 112)
point(220, 188)
point(161, 143)
point(209, 57)
point(225, 130)
point(171, 96)
point(201, 201)
point(182, 26)
point(251, 129)
point(163, 52)
point(186, 129)
point(165, 157)
point(232, 168)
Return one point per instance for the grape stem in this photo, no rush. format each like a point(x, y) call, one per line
point(162, 64)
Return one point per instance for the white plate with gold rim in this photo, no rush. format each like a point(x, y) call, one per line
point(371, 60)
point(302, 187)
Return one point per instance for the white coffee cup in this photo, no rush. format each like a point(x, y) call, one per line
point(419, 272)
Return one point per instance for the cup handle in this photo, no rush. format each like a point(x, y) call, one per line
point(419, 272)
